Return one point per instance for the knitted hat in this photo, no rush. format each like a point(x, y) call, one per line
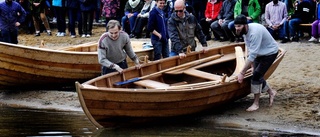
point(240, 19)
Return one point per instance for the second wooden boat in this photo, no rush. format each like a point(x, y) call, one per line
point(33, 67)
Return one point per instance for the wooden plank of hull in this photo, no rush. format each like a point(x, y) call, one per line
point(162, 104)
point(92, 47)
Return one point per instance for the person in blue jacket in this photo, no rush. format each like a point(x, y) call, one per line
point(157, 25)
point(11, 16)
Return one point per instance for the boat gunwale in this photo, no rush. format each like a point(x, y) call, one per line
point(88, 84)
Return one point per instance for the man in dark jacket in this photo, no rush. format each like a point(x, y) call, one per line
point(183, 28)
point(11, 16)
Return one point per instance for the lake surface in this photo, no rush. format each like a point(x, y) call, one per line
point(16, 122)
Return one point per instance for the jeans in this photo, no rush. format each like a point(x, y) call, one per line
point(172, 53)
point(124, 24)
point(123, 64)
point(277, 34)
point(160, 48)
point(291, 27)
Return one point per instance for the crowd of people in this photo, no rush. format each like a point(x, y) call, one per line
point(216, 18)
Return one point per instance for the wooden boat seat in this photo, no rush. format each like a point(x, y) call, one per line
point(202, 74)
point(151, 84)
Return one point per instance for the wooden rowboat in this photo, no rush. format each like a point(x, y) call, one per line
point(33, 67)
point(168, 87)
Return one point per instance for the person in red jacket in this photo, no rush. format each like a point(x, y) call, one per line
point(212, 11)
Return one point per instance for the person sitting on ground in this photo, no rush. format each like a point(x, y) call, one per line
point(250, 8)
point(132, 9)
point(275, 16)
point(315, 29)
point(113, 48)
point(142, 20)
point(225, 16)
point(183, 28)
point(263, 51)
point(211, 14)
point(303, 14)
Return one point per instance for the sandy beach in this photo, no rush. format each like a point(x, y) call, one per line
point(296, 106)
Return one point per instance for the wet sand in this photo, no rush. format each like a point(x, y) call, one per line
point(296, 106)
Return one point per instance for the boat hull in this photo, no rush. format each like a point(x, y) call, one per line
point(107, 105)
point(38, 68)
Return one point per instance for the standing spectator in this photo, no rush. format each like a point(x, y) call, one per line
point(73, 9)
point(211, 14)
point(59, 6)
point(11, 16)
point(158, 27)
point(225, 16)
point(37, 9)
point(142, 20)
point(250, 8)
point(182, 29)
point(97, 12)
point(110, 10)
point(87, 10)
point(303, 14)
point(315, 29)
point(275, 15)
point(27, 25)
point(131, 11)
point(262, 50)
point(113, 48)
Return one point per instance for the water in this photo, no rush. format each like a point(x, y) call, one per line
point(31, 122)
point(16, 122)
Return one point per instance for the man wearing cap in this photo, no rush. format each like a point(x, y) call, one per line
point(262, 51)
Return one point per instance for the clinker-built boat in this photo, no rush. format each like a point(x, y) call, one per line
point(168, 87)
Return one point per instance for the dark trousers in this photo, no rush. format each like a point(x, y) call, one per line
point(205, 26)
point(72, 16)
point(123, 64)
point(9, 36)
point(138, 26)
point(79, 18)
point(87, 22)
point(261, 66)
point(61, 19)
point(125, 21)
